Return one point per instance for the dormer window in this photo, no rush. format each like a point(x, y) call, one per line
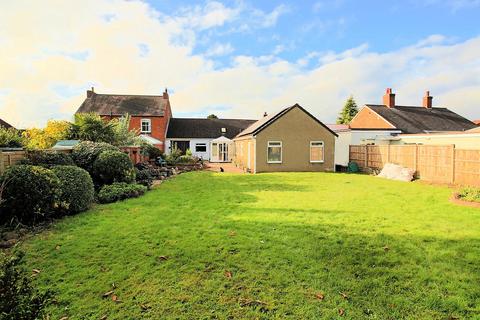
point(224, 130)
point(146, 126)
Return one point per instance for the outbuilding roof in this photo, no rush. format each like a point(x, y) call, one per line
point(413, 119)
point(5, 124)
point(267, 120)
point(206, 128)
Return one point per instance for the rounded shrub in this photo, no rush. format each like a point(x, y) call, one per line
point(144, 177)
point(48, 158)
point(30, 194)
point(85, 153)
point(113, 166)
point(119, 191)
point(76, 188)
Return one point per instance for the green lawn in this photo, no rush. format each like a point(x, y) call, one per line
point(395, 250)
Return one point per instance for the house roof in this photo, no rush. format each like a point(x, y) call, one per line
point(412, 119)
point(338, 127)
point(118, 104)
point(5, 124)
point(268, 120)
point(474, 130)
point(205, 128)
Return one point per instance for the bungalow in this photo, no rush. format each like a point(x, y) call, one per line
point(290, 140)
point(382, 123)
point(150, 114)
point(209, 139)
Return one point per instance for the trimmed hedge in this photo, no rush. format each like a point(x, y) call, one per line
point(76, 188)
point(113, 166)
point(86, 152)
point(30, 194)
point(48, 158)
point(119, 191)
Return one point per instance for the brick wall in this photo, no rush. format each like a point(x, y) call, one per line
point(367, 119)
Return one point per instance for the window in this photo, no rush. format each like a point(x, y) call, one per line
point(146, 126)
point(316, 151)
point(200, 147)
point(274, 152)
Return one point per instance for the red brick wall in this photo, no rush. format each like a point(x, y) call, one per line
point(367, 119)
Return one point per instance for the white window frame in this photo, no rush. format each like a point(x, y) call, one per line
point(276, 145)
point(323, 152)
point(202, 144)
point(149, 121)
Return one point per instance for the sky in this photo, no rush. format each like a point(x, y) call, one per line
point(237, 59)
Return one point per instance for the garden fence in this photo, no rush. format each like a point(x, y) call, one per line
point(439, 164)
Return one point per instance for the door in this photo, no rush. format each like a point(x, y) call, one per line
point(223, 152)
point(214, 152)
point(249, 164)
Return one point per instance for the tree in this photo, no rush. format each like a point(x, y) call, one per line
point(212, 116)
point(47, 137)
point(123, 136)
point(349, 111)
point(91, 127)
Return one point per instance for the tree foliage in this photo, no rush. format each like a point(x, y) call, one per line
point(212, 116)
point(91, 127)
point(47, 137)
point(10, 138)
point(349, 111)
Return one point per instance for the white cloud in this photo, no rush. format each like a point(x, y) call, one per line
point(50, 57)
point(219, 49)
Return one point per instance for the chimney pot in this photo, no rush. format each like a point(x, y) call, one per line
point(165, 94)
point(427, 100)
point(389, 98)
point(265, 114)
point(90, 93)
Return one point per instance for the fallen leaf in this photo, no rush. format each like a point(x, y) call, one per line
point(64, 318)
point(251, 302)
point(386, 248)
point(113, 285)
point(104, 317)
point(344, 295)
point(144, 307)
point(232, 233)
point(35, 271)
point(319, 296)
point(57, 247)
point(106, 294)
point(163, 258)
point(114, 297)
point(228, 274)
point(341, 312)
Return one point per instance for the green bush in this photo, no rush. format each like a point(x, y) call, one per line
point(10, 138)
point(151, 151)
point(173, 156)
point(113, 166)
point(144, 177)
point(48, 158)
point(119, 191)
point(30, 194)
point(186, 159)
point(470, 194)
point(86, 152)
point(19, 299)
point(76, 188)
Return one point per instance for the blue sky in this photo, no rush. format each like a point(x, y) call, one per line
point(237, 58)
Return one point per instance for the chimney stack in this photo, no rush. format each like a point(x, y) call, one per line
point(427, 100)
point(389, 98)
point(90, 93)
point(165, 94)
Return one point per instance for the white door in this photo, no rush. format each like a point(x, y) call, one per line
point(214, 152)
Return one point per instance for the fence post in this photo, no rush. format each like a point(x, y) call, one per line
point(453, 163)
point(388, 153)
point(366, 157)
point(415, 158)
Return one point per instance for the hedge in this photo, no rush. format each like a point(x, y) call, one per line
point(30, 194)
point(113, 166)
point(76, 188)
point(119, 191)
point(85, 153)
point(48, 158)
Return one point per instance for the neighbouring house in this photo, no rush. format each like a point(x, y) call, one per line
point(5, 124)
point(383, 123)
point(469, 139)
point(290, 140)
point(209, 139)
point(150, 114)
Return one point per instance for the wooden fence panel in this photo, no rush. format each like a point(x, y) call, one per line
point(10, 158)
point(440, 164)
point(467, 167)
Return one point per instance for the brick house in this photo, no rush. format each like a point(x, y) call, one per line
point(150, 114)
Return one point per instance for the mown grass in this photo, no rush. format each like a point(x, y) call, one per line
point(395, 250)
